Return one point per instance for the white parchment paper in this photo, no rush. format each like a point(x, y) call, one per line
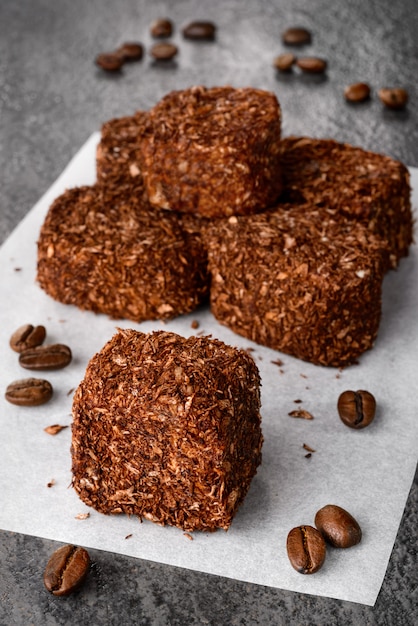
point(368, 472)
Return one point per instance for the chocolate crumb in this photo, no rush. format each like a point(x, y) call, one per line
point(51, 483)
point(298, 401)
point(188, 535)
point(308, 448)
point(278, 362)
point(301, 413)
point(128, 536)
point(82, 516)
point(195, 324)
point(54, 429)
point(308, 456)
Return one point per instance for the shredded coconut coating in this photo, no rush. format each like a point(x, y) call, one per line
point(213, 152)
point(167, 429)
point(295, 281)
point(118, 166)
point(112, 253)
point(106, 248)
point(351, 182)
point(117, 155)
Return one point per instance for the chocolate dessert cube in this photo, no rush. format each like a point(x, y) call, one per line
point(167, 429)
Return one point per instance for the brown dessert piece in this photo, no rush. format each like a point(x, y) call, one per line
point(168, 429)
point(297, 282)
point(213, 152)
point(117, 155)
point(112, 253)
point(350, 182)
point(343, 218)
point(118, 167)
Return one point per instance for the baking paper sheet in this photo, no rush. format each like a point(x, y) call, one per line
point(368, 472)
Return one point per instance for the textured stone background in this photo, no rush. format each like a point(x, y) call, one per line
point(52, 97)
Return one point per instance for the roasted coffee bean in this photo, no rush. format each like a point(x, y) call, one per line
point(306, 549)
point(338, 526)
point(296, 36)
point(130, 51)
point(357, 92)
point(284, 62)
point(109, 61)
point(29, 392)
point(356, 408)
point(53, 357)
point(312, 65)
point(396, 98)
point(27, 336)
point(162, 27)
point(200, 31)
point(66, 570)
point(164, 51)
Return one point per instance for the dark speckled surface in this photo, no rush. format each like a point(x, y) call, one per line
point(52, 97)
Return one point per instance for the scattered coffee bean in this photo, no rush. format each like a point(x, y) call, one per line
point(29, 392)
point(296, 36)
point(284, 62)
point(130, 51)
point(200, 31)
point(66, 570)
point(396, 98)
point(53, 357)
point(312, 65)
point(306, 549)
point(109, 61)
point(27, 336)
point(357, 92)
point(356, 408)
point(337, 526)
point(161, 27)
point(163, 51)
